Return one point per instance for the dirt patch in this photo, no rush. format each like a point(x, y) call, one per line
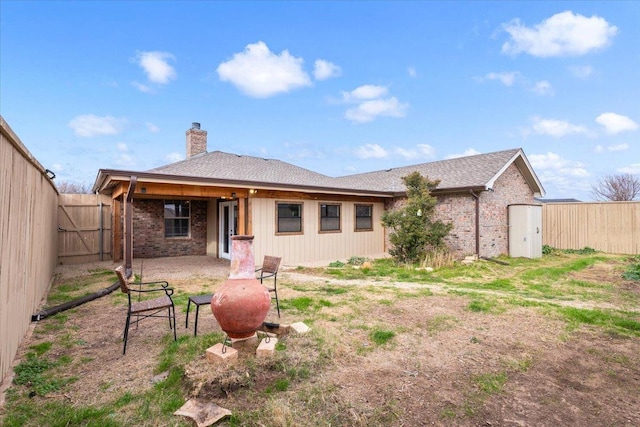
point(447, 364)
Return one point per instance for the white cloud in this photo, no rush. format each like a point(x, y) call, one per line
point(323, 70)
point(560, 35)
point(581, 71)
point(152, 128)
point(121, 146)
point(427, 150)
point(412, 72)
point(365, 92)
point(142, 87)
point(618, 147)
point(616, 123)
point(90, 125)
point(467, 152)
point(369, 151)
point(632, 169)
point(546, 161)
point(557, 128)
point(368, 111)
point(57, 167)
point(259, 73)
point(174, 157)
point(125, 159)
point(156, 66)
point(552, 161)
point(422, 151)
point(506, 78)
point(598, 149)
point(542, 88)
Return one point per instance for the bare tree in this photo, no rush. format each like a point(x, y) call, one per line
point(618, 188)
point(73, 187)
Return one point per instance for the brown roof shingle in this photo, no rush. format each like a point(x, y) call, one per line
point(460, 172)
point(463, 172)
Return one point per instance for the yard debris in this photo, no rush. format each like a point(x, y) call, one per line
point(202, 412)
point(160, 377)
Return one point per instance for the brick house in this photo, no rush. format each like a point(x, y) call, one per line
point(192, 207)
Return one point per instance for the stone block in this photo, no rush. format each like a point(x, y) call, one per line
point(267, 347)
point(299, 328)
point(221, 354)
point(245, 344)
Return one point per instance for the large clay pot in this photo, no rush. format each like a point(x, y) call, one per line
point(242, 303)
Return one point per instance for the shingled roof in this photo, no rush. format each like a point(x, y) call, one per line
point(478, 171)
point(235, 167)
point(471, 172)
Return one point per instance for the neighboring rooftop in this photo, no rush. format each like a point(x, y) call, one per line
point(543, 200)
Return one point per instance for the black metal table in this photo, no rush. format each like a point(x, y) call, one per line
point(198, 300)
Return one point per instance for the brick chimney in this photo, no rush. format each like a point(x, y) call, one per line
point(196, 140)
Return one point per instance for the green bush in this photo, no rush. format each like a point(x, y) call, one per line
point(412, 229)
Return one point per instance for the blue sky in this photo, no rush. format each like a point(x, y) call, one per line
point(335, 87)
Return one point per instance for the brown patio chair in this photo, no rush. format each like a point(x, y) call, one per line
point(269, 268)
point(144, 308)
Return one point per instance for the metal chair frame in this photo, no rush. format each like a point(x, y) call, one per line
point(143, 309)
point(269, 269)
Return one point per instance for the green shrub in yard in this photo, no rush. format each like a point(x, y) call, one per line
point(633, 270)
point(381, 336)
point(33, 371)
point(412, 227)
point(548, 250)
point(356, 260)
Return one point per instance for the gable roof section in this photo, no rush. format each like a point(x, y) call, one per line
point(477, 172)
point(235, 167)
point(472, 172)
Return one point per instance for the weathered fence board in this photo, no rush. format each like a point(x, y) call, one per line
point(84, 228)
point(28, 251)
point(612, 227)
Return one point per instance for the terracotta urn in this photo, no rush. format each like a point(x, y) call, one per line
point(242, 303)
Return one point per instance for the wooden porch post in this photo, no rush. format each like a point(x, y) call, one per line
point(116, 235)
point(242, 219)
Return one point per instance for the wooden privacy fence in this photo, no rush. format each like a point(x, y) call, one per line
point(612, 227)
point(28, 254)
point(84, 228)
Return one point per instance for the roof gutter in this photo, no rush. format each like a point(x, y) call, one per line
point(106, 175)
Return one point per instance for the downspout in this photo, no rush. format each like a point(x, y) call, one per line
point(477, 197)
point(128, 227)
point(73, 303)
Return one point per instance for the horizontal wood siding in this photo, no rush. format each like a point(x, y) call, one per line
point(28, 249)
point(611, 227)
point(312, 246)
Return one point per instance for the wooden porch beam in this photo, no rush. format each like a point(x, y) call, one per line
point(186, 191)
point(297, 195)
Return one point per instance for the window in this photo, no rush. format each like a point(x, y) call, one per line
point(176, 218)
point(364, 221)
point(329, 217)
point(289, 217)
